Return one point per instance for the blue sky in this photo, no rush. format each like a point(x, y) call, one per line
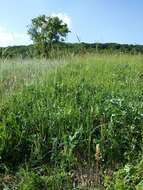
point(93, 20)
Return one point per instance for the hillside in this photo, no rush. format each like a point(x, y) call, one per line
point(63, 49)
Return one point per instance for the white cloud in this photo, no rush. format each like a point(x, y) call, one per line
point(66, 19)
point(8, 38)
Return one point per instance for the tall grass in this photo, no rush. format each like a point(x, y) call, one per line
point(55, 114)
point(16, 74)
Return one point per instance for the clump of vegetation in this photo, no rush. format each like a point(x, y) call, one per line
point(44, 179)
point(80, 115)
point(128, 178)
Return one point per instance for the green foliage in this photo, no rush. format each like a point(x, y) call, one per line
point(40, 178)
point(38, 124)
point(55, 180)
point(62, 50)
point(46, 30)
point(128, 178)
point(59, 116)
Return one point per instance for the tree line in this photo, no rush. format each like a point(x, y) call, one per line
point(65, 49)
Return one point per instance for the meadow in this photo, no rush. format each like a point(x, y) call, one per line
point(72, 123)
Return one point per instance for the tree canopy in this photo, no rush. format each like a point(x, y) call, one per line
point(48, 29)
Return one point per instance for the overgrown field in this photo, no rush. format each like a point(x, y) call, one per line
point(72, 124)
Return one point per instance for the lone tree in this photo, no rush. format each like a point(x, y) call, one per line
point(46, 30)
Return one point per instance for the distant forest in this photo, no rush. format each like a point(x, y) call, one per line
point(65, 49)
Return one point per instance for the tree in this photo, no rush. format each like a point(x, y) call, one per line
point(46, 30)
